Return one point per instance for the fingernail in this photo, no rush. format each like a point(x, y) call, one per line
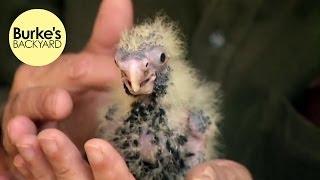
point(95, 155)
point(11, 134)
point(49, 146)
point(12, 128)
point(18, 161)
point(26, 151)
point(207, 174)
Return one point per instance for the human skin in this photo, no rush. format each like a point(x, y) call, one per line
point(65, 93)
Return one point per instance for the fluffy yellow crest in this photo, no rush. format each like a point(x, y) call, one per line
point(158, 32)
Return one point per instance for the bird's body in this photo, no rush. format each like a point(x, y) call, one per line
point(166, 123)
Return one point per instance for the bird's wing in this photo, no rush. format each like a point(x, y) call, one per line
point(199, 122)
point(202, 134)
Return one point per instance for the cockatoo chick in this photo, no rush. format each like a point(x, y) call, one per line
point(163, 121)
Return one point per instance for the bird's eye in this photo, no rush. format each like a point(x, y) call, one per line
point(163, 57)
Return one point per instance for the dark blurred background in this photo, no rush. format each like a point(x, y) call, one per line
point(265, 54)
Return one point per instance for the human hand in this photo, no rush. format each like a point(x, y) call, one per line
point(60, 159)
point(219, 170)
point(70, 88)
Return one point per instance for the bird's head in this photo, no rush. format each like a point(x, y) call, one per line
point(144, 54)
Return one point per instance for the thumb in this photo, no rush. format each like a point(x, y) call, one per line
point(113, 18)
point(219, 170)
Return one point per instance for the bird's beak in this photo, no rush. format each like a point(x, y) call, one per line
point(135, 74)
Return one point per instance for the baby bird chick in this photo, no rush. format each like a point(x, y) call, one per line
point(163, 119)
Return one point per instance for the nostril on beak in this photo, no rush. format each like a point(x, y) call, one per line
point(147, 64)
point(129, 82)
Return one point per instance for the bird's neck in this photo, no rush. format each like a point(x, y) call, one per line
point(150, 99)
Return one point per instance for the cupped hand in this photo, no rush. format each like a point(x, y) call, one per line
point(52, 155)
point(70, 88)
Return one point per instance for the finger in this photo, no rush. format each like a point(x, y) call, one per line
point(80, 72)
point(219, 170)
point(41, 103)
point(105, 161)
point(113, 18)
point(17, 127)
point(63, 156)
point(37, 104)
point(31, 153)
point(4, 167)
point(72, 72)
point(21, 166)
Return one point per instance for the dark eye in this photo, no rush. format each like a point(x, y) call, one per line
point(163, 57)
